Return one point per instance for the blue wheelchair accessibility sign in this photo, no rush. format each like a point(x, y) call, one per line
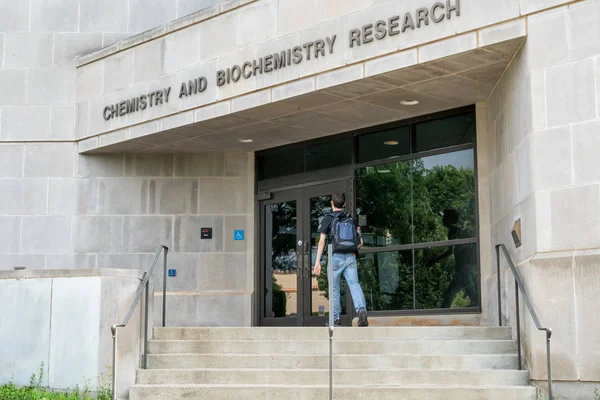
point(238, 235)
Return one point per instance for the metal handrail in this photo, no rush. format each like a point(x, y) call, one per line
point(331, 321)
point(519, 286)
point(144, 286)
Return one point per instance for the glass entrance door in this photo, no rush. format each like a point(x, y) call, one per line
point(292, 295)
point(282, 257)
point(317, 204)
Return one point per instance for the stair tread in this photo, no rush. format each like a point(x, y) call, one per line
point(482, 370)
point(362, 355)
point(334, 340)
point(444, 327)
point(245, 385)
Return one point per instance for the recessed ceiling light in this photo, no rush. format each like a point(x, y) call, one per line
point(390, 143)
point(409, 102)
point(245, 140)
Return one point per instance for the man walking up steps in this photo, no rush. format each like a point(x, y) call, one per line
point(339, 229)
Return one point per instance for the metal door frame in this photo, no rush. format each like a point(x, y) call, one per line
point(280, 197)
point(302, 196)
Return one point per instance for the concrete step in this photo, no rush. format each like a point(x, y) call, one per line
point(295, 333)
point(312, 361)
point(341, 377)
point(321, 392)
point(339, 347)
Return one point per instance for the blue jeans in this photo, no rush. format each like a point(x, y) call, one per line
point(346, 264)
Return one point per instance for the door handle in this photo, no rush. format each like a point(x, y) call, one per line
point(299, 268)
point(307, 261)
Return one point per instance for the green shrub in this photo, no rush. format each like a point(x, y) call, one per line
point(35, 391)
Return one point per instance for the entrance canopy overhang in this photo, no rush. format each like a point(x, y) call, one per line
point(239, 111)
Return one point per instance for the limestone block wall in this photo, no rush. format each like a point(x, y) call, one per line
point(40, 40)
point(59, 209)
point(544, 133)
point(113, 211)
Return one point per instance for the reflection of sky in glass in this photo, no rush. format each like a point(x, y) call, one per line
point(459, 159)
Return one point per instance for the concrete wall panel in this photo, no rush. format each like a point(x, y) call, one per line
point(174, 196)
point(13, 88)
point(15, 15)
point(147, 14)
point(222, 196)
point(49, 160)
point(95, 18)
point(97, 234)
point(74, 297)
point(28, 50)
point(29, 123)
point(145, 234)
point(570, 96)
point(29, 303)
point(46, 235)
point(586, 142)
point(23, 196)
point(53, 16)
point(12, 160)
point(62, 122)
point(587, 283)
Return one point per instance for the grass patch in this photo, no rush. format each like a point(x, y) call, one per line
point(35, 391)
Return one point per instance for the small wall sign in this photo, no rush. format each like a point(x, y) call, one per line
point(206, 233)
point(172, 272)
point(238, 235)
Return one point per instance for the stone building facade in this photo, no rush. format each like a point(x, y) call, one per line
point(126, 124)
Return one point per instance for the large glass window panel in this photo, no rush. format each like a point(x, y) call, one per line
point(445, 132)
point(447, 277)
point(444, 197)
point(281, 163)
point(329, 154)
point(387, 280)
point(429, 199)
point(384, 144)
point(384, 205)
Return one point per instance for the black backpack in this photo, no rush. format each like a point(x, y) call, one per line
point(344, 236)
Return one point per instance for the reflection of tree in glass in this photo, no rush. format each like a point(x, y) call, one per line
point(386, 279)
point(395, 197)
point(283, 255)
point(404, 203)
point(384, 196)
point(446, 187)
point(279, 300)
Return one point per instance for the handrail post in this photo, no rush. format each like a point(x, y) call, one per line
point(499, 286)
point(147, 300)
point(164, 297)
point(518, 325)
point(113, 330)
point(331, 320)
point(548, 336)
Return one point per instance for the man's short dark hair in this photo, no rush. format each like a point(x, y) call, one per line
point(339, 199)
